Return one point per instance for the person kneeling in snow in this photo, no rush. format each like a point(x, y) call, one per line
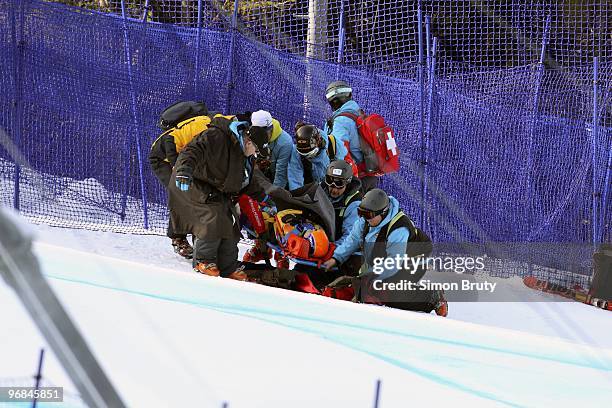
point(209, 173)
point(344, 191)
point(384, 231)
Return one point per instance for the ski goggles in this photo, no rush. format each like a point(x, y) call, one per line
point(367, 214)
point(337, 91)
point(309, 154)
point(335, 182)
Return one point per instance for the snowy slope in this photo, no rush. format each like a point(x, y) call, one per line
point(568, 320)
point(168, 337)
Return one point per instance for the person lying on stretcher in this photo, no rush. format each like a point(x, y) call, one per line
point(300, 228)
point(291, 232)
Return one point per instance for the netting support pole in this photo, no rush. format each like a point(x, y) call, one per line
point(534, 121)
point(316, 39)
point(604, 198)
point(145, 13)
point(232, 51)
point(377, 394)
point(136, 124)
point(17, 41)
point(427, 42)
point(430, 103)
point(341, 36)
point(421, 113)
point(595, 134)
point(38, 376)
point(196, 73)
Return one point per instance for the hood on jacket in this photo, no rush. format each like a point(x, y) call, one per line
point(236, 128)
point(276, 130)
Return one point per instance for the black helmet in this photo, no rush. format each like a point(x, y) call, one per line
point(259, 136)
point(338, 93)
point(374, 202)
point(339, 174)
point(308, 140)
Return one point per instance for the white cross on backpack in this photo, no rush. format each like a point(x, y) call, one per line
point(391, 145)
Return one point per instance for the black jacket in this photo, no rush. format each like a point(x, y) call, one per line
point(220, 172)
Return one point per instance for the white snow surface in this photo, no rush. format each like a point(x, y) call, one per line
point(168, 337)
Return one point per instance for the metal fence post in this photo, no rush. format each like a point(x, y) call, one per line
point(196, 72)
point(534, 121)
point(421, 112)
point(38, 376)
point(604, 197)
point(17, 45)
point(232, 51)
point(316, 48)
point(135, 122)
point(595, 139)
point(528, 168)
point(428, 133)
point(427, 42)
point(145, 12)
point(341, 34)
point(377, 394)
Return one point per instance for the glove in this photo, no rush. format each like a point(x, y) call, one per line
point(330, 263)
point(183, 182)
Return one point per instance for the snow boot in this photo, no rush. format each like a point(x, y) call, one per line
point(209, 269)
point(239, 274)
point(182, 247)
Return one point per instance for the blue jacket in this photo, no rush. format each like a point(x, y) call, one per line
point(349, 220)
point(345, 129)
point(396, 243)
point(341, 151)
point(280, 145)
point(296, 169)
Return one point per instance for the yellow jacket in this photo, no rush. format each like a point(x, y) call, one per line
point(170, 143)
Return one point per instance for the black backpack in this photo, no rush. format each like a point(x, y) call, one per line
point(180, 111)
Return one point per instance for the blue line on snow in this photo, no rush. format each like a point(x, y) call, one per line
point(226, 308)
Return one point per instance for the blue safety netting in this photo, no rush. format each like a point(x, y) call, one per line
point(498, 147)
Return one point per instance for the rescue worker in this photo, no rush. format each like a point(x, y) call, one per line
point(344, 191)
point(209, 173)
point(275, 147)
point(384, 231)
point(336, 149)
point(339, 95)
point(309, 159)
point(162, 158)
point(266, 132)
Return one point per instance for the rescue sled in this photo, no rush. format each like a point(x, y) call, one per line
point(299, 230)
